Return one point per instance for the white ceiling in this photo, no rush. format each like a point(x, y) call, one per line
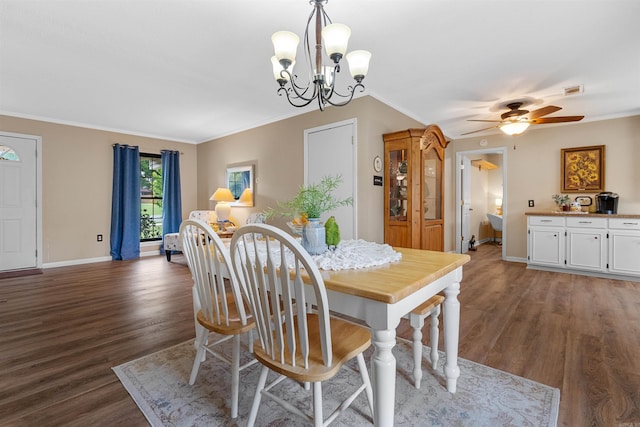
point(194, 70)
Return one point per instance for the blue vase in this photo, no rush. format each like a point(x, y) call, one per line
point(314, 237)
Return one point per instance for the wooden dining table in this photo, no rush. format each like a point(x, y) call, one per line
point(380, 296)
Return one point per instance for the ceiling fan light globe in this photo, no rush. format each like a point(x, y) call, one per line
point(514, 128)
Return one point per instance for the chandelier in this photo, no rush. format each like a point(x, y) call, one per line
point(322, 79)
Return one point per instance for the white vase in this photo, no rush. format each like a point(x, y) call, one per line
point(314, 237)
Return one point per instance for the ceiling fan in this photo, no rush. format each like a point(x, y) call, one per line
point(515, 121)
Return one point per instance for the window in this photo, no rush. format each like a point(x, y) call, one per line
point(150, 197)
point(7, 153)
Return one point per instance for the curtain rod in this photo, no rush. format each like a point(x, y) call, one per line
point(134, 146)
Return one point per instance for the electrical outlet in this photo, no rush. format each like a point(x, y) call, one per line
point(530, 203)
point(99, 238)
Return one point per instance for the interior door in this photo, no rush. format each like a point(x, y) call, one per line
point(465, 204)
point(331, 150)
point(18, 207)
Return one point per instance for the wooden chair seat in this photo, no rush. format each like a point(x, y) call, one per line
point(231, 324)
point(348, 341)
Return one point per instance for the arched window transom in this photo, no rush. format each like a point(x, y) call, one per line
point(7, 153)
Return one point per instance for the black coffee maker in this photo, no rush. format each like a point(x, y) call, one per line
point(607, 203)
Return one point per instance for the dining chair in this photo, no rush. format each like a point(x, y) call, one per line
point(218, 303)
point(429, 308)
point(279, 279)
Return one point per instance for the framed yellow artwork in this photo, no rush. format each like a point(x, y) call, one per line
point(582, 169)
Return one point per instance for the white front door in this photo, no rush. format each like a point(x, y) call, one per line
point(331, 150)
point(18, 208)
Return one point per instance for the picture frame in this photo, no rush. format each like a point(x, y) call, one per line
point(582, 169)
point(240, 180)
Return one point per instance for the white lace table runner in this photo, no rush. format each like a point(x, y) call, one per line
point(354, 254)
point(349, 254)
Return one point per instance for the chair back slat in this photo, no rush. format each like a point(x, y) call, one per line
point(278, 276)
point(209, 261)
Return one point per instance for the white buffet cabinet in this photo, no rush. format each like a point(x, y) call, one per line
point(592, 244)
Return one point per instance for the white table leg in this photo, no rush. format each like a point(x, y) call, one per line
point(383, 365)
point(451, 318)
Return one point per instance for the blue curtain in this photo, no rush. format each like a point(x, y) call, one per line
point(171, 196)
point(125, 203)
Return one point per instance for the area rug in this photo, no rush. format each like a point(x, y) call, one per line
point(158, 383)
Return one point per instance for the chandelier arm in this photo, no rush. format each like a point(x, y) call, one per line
point(349, 97)
point(287, 92)
point(301, 92)
point(307, 46)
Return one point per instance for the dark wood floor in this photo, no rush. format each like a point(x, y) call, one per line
point(61, 332)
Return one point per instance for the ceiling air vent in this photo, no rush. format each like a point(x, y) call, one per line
point(573, 90)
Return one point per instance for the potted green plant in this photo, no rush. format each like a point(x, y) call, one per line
point(307, 206)
point(562, 200)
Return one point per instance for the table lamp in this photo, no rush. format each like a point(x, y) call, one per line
point(246, 197)
point(499, 206)
point(223, 196)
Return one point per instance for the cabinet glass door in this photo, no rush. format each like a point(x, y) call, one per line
point(398, 185)
point(431, 186)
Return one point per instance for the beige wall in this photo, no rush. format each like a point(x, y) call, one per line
point(533, 169)
point(77, 169)
point(277, 150)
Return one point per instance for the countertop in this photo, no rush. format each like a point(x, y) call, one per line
point(582, 214)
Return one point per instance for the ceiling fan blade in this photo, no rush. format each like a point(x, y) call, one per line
point(490, 121)
point(561, 119)
point(479, 130)
point(543, 111)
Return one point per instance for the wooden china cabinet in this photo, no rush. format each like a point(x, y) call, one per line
point(414, 188)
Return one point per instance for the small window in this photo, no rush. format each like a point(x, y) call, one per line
point(150, 197)
point(7, 153)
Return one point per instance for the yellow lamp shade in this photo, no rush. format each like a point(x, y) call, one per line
point(246, 197)
point(222, 194)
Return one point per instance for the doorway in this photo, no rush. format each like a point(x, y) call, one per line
point(475, 199)
point(20, 202)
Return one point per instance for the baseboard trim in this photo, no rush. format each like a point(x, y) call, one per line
point(585, 273)
point(92, 260)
